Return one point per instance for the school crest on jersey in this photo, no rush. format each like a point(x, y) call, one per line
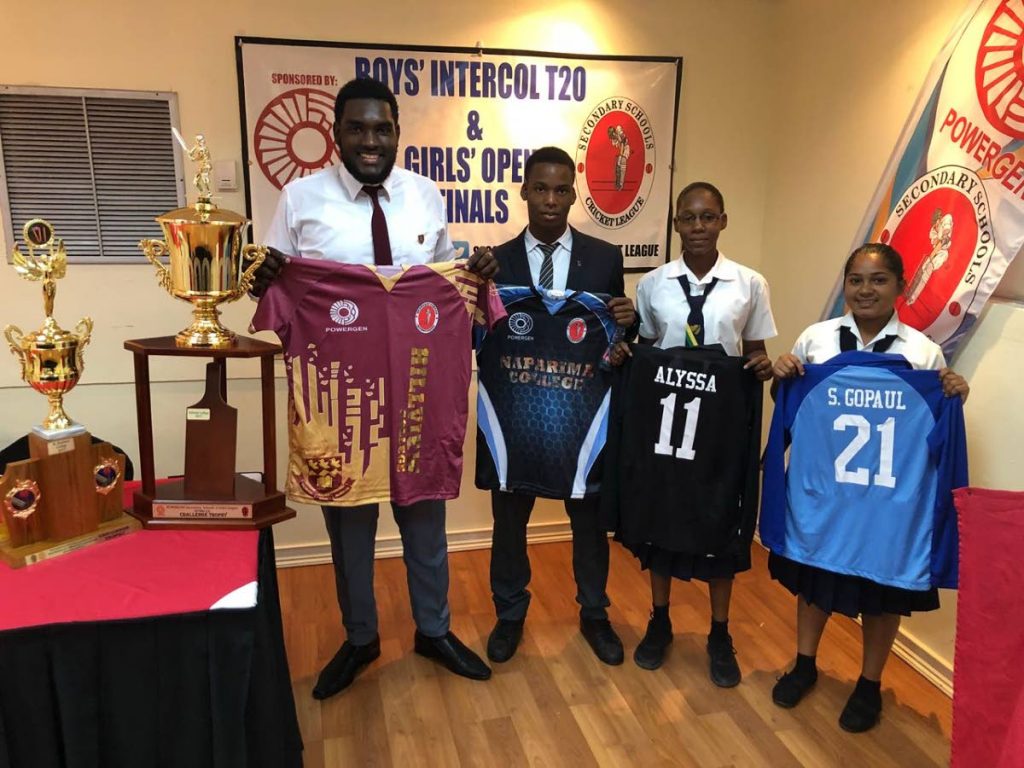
point(615, 161)
point(941, 227)
point(427, 317)
point(323, 480)
point(576, 330)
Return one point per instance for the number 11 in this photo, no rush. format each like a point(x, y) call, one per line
point(668, 411)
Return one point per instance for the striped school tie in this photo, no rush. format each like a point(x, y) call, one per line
point(547, 269)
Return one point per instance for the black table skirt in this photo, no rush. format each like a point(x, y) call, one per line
point(194, 690)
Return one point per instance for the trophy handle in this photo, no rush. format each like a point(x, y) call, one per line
point(15, 336)
point(256, 254)
point(84, 332)
point(154, 249)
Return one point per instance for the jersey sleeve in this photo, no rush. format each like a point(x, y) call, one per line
point(773, 489)
point(760, 322)
point(948, 442)
point(609, 511)
point(489, 309)
point(277, 306)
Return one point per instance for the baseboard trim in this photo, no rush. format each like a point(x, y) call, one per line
point(923, 660)
point(295, 555)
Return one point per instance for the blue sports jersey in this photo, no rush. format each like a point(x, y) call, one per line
point(875, 450)
point(542, 403)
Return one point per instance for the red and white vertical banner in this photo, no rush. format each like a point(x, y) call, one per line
point(469, 120)
point(951, 200)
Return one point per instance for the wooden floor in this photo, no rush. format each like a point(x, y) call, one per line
point(554, 704)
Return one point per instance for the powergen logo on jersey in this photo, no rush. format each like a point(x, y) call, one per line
point(344, 313)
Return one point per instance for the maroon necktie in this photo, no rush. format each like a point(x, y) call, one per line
point(379, 228)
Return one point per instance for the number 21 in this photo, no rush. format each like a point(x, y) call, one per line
point(860, 476)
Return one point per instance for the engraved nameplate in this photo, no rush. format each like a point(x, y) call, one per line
point(56, 447)
point(202, 511)
point(197, 414)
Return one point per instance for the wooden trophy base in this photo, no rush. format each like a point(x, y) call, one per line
point(36, 552)
point(250, 507)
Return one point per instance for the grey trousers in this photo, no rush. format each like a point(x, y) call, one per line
point(353, 531)
point(510, 563)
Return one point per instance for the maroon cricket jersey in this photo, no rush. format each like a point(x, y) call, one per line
point(378, 363)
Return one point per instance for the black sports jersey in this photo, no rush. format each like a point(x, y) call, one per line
point(681, 463)
point(542, 403)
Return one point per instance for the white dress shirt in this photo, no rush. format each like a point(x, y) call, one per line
point(326, 215)
point(737, 309)
point(559, 258)
point(820, 342)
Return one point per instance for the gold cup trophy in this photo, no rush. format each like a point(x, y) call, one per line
point(206, 267)
point(204, 246)
point(68, 493)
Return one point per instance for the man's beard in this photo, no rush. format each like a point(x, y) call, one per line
point(376, 178)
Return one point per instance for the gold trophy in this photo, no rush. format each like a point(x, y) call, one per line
point(204, 244)
point(67, 494)
point(51, 358)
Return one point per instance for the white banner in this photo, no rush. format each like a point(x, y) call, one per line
point(952, 197)
point(469, 121)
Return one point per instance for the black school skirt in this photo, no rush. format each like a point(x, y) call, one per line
point(849, 595)
point(678, 565)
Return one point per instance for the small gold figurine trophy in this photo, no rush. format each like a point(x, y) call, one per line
point(206, 268)
point(68, 494)
point(206, 255)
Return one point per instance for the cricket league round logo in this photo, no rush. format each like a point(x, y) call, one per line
point(293, 135)
point(941, 227)
point(999, 70)
point(426, 317)
point(576, 331)
point(615, 161)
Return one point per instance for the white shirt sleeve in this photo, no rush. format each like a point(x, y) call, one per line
point(444, 249)
point(760, 322)
point(801, 347)
point(648, 327)
point(280, 234)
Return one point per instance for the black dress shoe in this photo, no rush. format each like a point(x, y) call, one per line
point(603, 640)
point(861, 712)
point(343, 668)
point(450, 651)
point(651, 652)
point(504, 640)
point(791, 688)
point(725, 672)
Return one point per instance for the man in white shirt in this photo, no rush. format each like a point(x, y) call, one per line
point(366, 211)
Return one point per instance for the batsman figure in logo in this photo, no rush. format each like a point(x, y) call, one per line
point(941, 237)
point(617, 136)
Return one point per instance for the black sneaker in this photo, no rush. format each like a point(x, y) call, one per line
point(725, 672)
point(861, 712)
point(791, 688)
point(650, 653)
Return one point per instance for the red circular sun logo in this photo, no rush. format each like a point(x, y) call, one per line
point(999, 70)
point(293, 136)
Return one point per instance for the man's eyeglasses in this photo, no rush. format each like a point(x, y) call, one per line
point(707, 218)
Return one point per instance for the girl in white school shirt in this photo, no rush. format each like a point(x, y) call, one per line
point(873, 281)
point(737, 315)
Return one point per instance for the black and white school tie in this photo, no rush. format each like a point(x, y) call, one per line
point(547, 268)
point(848, 341)
point(695, 320)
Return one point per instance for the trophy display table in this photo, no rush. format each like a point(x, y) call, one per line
point(211, 495)
point(156, 648)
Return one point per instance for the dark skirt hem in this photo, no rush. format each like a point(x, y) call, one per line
point(848, 595)
point(686, 567)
